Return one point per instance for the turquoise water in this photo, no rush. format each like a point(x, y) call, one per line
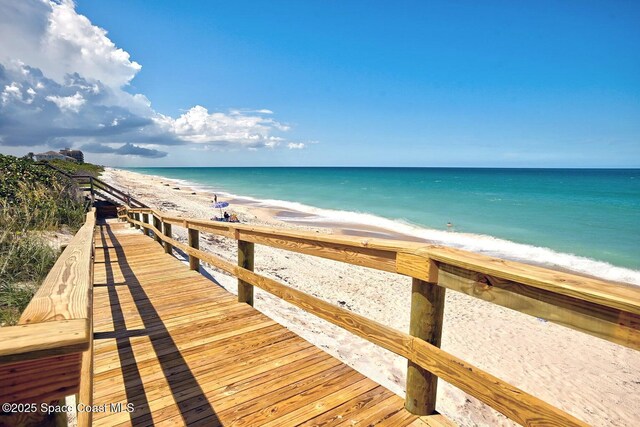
point(589, 213)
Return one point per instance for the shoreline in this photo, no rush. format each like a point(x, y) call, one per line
point(590, 378)
point(279, 212)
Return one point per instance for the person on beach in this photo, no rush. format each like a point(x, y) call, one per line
point(215, 198)
point(226, 216)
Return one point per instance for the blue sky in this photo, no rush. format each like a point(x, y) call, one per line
point(513, 84)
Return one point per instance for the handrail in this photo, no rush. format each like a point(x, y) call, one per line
point(125, 198)
point(56, 327)
point(94, 181)
point(411, 259)
point(65, 292)
point(604, 309)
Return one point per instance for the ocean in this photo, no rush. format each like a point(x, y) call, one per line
point(587, 220)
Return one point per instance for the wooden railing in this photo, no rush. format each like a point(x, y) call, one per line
point(97, 186)
point(607, 310)
point(50, 349)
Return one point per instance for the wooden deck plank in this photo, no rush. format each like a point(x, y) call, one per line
point(261, 403)
point(370, 399)
point(319, 400)
point(204, 337)
point(228, 391)
point(398, 419)
point(201, 365)
point(380, 414)
point(185, 352)
point(135, 317)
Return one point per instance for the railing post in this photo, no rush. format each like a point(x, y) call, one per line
point(158, 225)
point(245, 260)
point(167, 232)
point(93, 198)
point(136, 216)
point(145, 219)
point(194, 242)
point(427, 309)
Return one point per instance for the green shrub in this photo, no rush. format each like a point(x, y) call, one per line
point(77, 168)
point(33, 199)
point(14, 298)
point(37, 196)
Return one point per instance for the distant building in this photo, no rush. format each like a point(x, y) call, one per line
point(52, 155)
point(76, 154)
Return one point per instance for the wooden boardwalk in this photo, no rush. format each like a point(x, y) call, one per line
point(183, 351)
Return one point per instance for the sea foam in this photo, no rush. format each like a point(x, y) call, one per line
point(479, 243)
point(487, 245)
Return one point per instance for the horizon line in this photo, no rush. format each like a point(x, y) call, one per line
point(394, 167)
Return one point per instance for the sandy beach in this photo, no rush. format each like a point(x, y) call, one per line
point(597, 381)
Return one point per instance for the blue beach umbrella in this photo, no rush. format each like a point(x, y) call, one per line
point(221, 205)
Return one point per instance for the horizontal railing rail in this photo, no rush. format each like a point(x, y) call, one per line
point(98, 184)
point(50, 349)
point(604, 309)
point(118, 195)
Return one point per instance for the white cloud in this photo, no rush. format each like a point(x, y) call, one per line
point(295, 146)
point(53, 37)
point(59, 63)
point(240, 112)
point(71, 103)
point(11, 92)
point(240, 128)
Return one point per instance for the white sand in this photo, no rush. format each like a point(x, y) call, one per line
point(597, 381)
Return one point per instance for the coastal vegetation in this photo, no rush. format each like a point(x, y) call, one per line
point(36, 203)
point(73, 168)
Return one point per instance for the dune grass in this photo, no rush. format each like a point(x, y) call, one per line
point(33, 200)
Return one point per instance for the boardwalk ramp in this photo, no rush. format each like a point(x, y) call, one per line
point(182, 350)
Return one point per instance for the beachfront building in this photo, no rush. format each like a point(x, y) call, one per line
point(52, 155)
point(76, 154)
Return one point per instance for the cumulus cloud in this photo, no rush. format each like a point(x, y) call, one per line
point(63, 79)
point(295, 145)
point(53, 37)
point(201, 127)
point(64, 103)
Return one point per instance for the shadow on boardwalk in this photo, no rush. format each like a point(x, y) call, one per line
point(166, 350)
